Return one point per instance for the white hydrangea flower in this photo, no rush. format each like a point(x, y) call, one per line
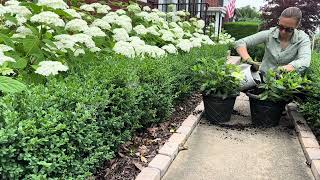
point(140, 29)
point(64, 41)
point(125, 22)
point(206, 40)
point(102, 24)
point(200, 24)
point(121, 12)
point(55, 4)
point(167, 35)
point(181, 13)
point(188, 34)
point(73, 13)
point(185, 45)
point(173, 25)
point(124, 48)
point(48, 18)
point(2, 10)
point(21, 20)
point(22, 32)
point(170, 14)
point(47, 68)
point(196, 42)
point(135, 8)
point(95, 49)
point(12, 2)
point(16, 9)
point(178, 31)
point(120, 34)
point(161, 14)
point(153, 30)
point(155, 51)
point(170, 48)
point(136, 42)
point(9, 24)
point(94, 32)
point(155, 10)
point(4, 58)
point(77, 52)
point(146, 8)
point(111, 17)
point(5, 48)
point(153, 17)
point(103, 9)
point(76, 25)
point(84, 38)
point(87, 7)
point(142, 14)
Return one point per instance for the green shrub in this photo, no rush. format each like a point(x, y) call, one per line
point(240, 30)
point(311, 106)
point(69, 126)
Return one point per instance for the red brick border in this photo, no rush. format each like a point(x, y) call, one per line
point(307, 139)
point(167, 153)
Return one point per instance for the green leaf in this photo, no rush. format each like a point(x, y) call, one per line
point(6, 40)
point(31, 45)
point(9, 85)
point(34, 30)
point(11, 18)
point(20, 63)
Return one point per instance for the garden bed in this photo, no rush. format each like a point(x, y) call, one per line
point(137, 153)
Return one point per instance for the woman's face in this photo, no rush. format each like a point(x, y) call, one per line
point(287, 26)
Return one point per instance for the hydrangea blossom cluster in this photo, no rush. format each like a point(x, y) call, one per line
point(3, 57)
point(155, 34)
point(224, 38)
point(47, 68)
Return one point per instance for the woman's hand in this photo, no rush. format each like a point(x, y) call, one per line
point(288, 68)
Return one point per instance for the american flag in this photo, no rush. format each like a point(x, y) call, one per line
point(230, 8)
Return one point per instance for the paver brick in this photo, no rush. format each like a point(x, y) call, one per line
point(149, 174)
point(191, 121)
point(315, 168)
point(307, 134)
point(309, 142)
point(312, 154)
point(169, 149)
point(161, 162)
point(184, 130)
point(177, 138)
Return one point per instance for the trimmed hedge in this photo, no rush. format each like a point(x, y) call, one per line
point(240, 30)
point(68, 127)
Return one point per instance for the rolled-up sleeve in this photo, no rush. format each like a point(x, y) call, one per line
point(304, 55)
point(255, 39)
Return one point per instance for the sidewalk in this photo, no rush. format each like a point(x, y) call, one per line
point(228, 153)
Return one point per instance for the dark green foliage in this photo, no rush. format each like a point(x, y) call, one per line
point(311, 106)
point(240, 30)
point(69, 126)
point(284, 86)
point(218, 78)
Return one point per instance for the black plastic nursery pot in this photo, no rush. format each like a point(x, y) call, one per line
point(265, 113)
point(218, 110)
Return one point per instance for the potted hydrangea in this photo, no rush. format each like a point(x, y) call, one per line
point(268, 100)
point(220, 85)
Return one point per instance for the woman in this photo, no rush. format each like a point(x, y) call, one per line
point(285, 46)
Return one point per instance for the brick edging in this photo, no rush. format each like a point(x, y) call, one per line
point(308, 141)
point(167, 153)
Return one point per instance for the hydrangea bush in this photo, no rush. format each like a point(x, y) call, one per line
point(34, 36)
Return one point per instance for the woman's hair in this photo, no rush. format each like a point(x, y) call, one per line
point(292, 12)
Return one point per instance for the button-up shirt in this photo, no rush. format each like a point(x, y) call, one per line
point(297, 53)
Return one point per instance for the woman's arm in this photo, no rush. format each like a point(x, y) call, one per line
point(255, 39)
point(303, 58)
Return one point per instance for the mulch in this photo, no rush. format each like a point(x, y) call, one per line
point(134, 155)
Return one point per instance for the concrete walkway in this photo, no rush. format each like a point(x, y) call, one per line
point(218, 153)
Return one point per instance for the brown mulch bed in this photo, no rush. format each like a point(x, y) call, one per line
point(134, 155)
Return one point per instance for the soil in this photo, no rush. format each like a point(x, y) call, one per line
point(134, 155)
